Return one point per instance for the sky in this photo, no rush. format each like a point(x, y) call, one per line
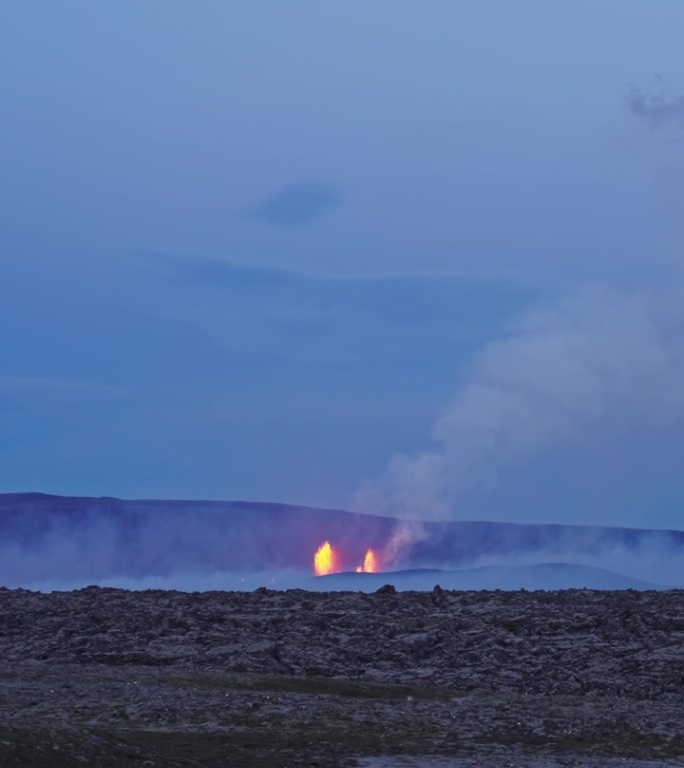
point(418, 259)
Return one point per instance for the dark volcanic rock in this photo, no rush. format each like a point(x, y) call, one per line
point(621, 643)
point(106, 677)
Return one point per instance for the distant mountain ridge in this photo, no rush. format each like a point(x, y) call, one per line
point(73, 538)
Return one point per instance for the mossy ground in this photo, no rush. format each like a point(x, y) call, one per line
point(290, 721)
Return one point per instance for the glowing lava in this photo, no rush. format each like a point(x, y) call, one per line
point(370, 563)
point(325, 560)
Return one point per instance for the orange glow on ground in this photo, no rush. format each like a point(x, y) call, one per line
point(325, 560)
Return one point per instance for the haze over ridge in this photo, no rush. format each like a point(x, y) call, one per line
point(52, 542)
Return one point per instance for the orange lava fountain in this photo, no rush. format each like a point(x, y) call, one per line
point(370, 563)
point(325, 560)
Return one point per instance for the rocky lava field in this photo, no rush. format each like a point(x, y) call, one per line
point(105, 677)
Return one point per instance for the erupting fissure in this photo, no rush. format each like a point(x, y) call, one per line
point(370, 563)
point(327, 561)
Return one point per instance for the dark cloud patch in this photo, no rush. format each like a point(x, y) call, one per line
point(296, 204)
point(657, 105)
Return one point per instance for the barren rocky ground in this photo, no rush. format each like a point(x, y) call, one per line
point(104, 677)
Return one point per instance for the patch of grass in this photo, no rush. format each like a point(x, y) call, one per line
point(624, 742)
point(314, 686)
point(319, 721)
point(315, 739)
point(355, 689)
point(24, 748)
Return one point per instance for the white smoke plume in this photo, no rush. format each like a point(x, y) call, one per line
point(595, 356)
point(598, 355)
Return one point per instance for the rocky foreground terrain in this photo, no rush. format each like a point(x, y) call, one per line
point(104, 677)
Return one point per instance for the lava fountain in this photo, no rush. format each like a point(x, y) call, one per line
point(325, 560)
point(370, 563)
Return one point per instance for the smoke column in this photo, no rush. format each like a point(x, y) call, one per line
point(563, 368)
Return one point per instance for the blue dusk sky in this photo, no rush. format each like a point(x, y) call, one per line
point(413, 258)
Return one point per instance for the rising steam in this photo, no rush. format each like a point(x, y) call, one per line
point(563, 369)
